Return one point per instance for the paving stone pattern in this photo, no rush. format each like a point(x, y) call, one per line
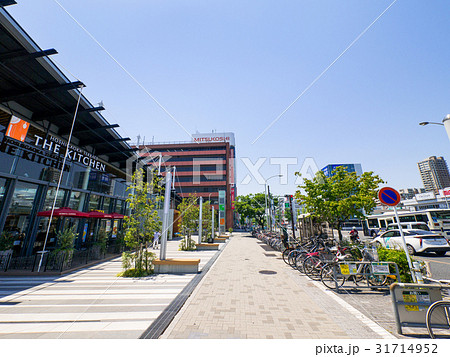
point(247, 294)
point(89, 303)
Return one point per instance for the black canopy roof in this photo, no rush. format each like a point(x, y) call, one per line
point(32, 86)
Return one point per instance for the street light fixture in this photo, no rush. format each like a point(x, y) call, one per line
point(445, 123)
point(265, 195)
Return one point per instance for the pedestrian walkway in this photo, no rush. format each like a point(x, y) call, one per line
point(91, 302)
point(250, 293)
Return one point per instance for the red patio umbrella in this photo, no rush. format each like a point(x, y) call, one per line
point(117, 216)
point(63, 212)
point(100, 215)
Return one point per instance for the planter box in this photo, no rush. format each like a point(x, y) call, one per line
point(207, 246)
point(220, 240)
point(176, 266)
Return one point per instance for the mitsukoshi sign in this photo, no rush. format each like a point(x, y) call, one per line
point(214, 138)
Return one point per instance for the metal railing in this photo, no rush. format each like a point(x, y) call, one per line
point(59, 262)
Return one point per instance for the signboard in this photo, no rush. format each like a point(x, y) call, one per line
point(348, 269)
point(214, 138)
point(222, 203)
point(389, 196)
point(43, 149)
point(446, 191)
point(17, 129)
point(380, 268)
point(425, 196)
point(232, 197)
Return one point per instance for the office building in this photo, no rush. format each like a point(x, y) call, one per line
point(203, 167)
point(327, 170)
point(434, 173)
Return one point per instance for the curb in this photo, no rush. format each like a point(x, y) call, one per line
point(157, 328)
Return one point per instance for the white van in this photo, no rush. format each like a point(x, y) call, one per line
point(421, 226)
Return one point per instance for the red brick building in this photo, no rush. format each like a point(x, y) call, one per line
point(204, 167)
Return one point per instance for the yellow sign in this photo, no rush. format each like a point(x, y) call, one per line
point(344, 269)
point(412, 308)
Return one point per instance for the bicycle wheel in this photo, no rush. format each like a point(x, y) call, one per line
point(329, 279)
point(440, 320)
point(292, 257)
point(285, 254)
point(299, 259)
point(374, 280)
point(312, 266)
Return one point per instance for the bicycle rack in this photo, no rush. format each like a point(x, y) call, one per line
point(413, 306)
point(350, 268)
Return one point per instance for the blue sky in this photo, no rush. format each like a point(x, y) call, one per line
point(236, 65)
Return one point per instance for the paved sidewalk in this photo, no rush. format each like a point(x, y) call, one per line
point(250, 293)
point(91, 302)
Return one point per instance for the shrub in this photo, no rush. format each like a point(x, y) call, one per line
point(102, 240)
point(6, 241)
point(137, 264)
point(187, 244)
point(398, 257)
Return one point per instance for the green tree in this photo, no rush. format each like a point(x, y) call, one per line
point(337, 198)
point(252, 206)
point(140, 225)
point(189, 221)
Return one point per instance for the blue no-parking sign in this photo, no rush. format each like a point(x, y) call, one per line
point(389, 196)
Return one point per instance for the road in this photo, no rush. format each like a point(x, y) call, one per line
point(440, 266)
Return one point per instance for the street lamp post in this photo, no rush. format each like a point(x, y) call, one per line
point(445, 123)
point(265, 195)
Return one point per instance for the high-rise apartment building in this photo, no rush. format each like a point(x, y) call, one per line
point(203, 167)
point(434, 173)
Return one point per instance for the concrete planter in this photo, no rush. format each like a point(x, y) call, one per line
point(176, 266)
point(207, 246)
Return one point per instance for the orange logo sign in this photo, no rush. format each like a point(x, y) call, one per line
point(17, 129)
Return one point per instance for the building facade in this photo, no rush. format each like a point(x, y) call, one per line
point(409, 193)
point(203, 167)
point(37, 107)
point(327, 170)
point(434, 173)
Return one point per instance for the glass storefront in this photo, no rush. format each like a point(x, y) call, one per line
point(36, 160)
point(19, 214)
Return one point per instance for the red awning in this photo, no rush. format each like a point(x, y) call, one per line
point(63, 212)
point(100, 215)
point(117, 216)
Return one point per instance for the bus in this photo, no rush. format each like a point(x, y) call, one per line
point(438, 220)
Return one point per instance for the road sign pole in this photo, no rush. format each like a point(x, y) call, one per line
point(411, 268)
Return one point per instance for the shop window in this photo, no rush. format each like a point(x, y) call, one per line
point(50, 197)
point(107, 205)
point(94, 201)
point(18, 217)
point(76, 200)
point(3, 183)
point(119, 206)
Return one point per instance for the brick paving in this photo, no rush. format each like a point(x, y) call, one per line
point(250, 293)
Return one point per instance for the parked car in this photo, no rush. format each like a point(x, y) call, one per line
point(417, 241)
